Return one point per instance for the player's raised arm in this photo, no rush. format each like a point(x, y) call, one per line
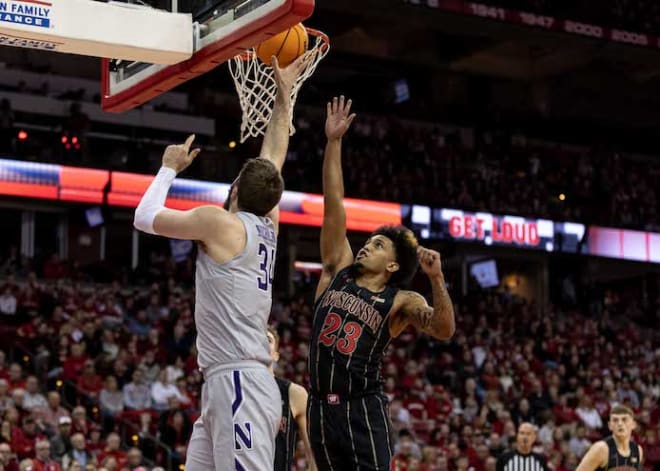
point(336, 252)
point(276, 139)
point(153, 217)
point(437, 320)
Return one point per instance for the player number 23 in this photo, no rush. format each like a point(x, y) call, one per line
point(346, 344)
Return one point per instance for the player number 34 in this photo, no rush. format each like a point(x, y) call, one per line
point(348, 342)
point(266, 267)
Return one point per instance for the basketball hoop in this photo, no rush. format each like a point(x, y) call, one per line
point(256, 87)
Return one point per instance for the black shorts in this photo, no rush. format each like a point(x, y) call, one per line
point(351, 434)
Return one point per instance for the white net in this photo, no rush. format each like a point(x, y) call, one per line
point(256, 87)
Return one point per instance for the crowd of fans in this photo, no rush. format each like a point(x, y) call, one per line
point(102, 376)
point(391, 160)
point(388, 159)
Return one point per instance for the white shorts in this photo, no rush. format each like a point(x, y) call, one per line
point(241, 411)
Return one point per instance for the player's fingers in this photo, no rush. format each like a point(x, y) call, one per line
point(301, 62)
point(194, 153)
point(188, 143)
point(274, 62)
point(334, 104)
point(347, 108)
point(329, 109)
point(341, 103)
point(350, 120)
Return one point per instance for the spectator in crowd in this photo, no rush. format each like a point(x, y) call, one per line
point(23, 438)
point(79, 422)
point(175, 434)
point(78, 452)
point(16, 379)
point(75, 364)
point(137, 395)
point(5, 400)
point(7, 458)
point(8, 302)
point(111, 400)
point(588, 414)
point(112, 449)
point(134, 459)
point(579, 443)
point(43, 461)
point(33, 399)
point(26, 465)
point(89, 382)
point(61, 442)
point(161, 392)
point(52, 414)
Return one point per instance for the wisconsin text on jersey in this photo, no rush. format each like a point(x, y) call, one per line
point(355, 306)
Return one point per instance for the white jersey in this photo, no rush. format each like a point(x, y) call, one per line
point(233, 299)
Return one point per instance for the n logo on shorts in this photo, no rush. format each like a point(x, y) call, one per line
point(242, 437)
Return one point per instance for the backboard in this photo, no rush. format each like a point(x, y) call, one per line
point(221, 30)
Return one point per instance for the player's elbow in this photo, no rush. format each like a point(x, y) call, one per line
point(445, 331)
point(141, 221)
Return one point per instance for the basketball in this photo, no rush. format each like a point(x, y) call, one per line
point(287, 46)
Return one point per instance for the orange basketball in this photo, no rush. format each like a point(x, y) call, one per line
point(287, 46)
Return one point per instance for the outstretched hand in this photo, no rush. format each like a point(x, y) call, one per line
point(339, 118)
point(286, 77)
point(179, 157)
point(429, 261)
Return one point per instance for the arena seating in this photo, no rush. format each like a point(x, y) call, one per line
point(454, 404)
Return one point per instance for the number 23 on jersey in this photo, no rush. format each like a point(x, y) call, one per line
point(329, 336)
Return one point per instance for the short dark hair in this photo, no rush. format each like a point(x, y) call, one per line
point(405, 250)
point(622, 410)
point(260, 187)
point(272, 331)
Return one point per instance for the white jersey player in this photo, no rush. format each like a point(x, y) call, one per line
point(240, 399)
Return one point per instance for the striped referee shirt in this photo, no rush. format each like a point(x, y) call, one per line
point(514, 461)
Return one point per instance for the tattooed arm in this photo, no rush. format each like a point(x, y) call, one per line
point(437, 321)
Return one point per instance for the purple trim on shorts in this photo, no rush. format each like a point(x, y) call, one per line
point(238, 393)
point(239, 466)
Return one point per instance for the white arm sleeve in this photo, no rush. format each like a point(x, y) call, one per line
point(153, 200)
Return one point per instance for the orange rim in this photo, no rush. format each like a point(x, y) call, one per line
point(249, 54)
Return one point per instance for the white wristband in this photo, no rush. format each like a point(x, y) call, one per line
point(153, 200)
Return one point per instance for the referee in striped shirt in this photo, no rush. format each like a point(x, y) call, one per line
point(523, 458)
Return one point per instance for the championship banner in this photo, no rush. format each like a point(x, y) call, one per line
point(535, 20)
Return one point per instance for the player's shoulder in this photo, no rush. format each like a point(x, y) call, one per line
point(296, 390)
point(601, 447)
point(297, 399)
point(215, 214)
